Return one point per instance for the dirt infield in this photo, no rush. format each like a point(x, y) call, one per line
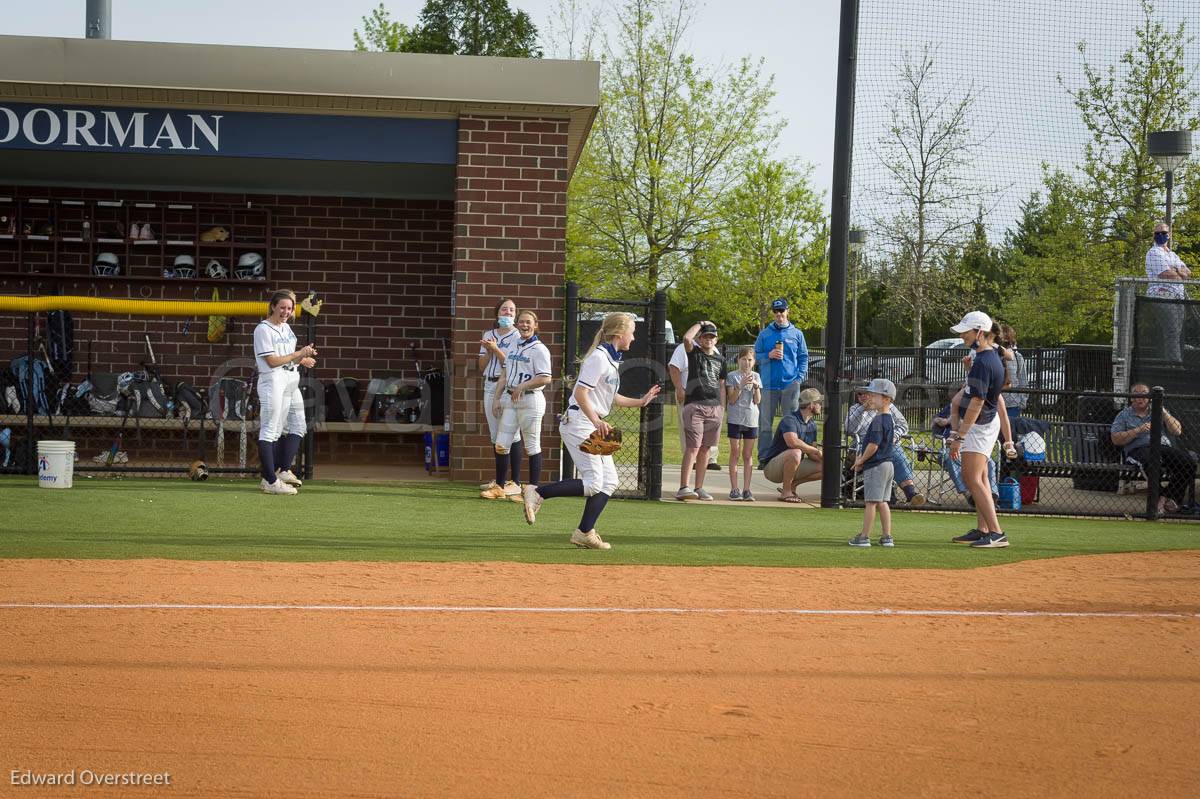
point(391, 702)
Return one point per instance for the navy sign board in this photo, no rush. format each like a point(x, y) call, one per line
point(239, 134)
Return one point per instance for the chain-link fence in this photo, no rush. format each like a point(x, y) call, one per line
point(639, 461)
point(134, 409)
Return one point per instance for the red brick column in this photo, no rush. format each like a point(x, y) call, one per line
point(509, 241)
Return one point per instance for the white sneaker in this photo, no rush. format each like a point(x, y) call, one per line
point(533, 501)
point(278, 487)
point(490, 484)
point(289, 478)
point(512, 492)
point(590, 540)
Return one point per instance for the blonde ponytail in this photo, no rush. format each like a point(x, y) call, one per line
point(612, 325)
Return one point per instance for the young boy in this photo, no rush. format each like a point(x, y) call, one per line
point(875, 462)
point(703, 412)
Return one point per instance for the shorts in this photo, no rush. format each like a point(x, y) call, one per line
point(877, 482)
point(702, 424)
point(742, 431)
point(981, 438)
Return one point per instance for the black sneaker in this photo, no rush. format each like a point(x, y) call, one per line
point(714, 467)
point(992, 541)
point(969, 537)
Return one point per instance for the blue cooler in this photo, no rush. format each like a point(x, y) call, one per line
point(1010, 494)
point(437, 451)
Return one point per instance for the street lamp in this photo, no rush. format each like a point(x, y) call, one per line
point(858, 238)
point(1169, 149)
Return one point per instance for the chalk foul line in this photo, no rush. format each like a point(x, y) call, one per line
point(880, 612)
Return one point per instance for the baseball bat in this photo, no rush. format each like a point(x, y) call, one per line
point(116, 445)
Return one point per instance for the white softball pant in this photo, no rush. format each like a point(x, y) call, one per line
point(493, 421)
point(280, 405)
point(598, 472)
point(521, 421)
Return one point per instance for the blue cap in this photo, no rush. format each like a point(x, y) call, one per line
point(779, 304)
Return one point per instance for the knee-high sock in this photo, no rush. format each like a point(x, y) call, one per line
point(280, 450)
point(501, 468)
point(591, 511)
point(535, 468)
point(266, 460)
point(563, 488)
point(514, 460)
point(291, 447)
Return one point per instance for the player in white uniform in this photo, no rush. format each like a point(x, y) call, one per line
point(493, 353)
point(521, 405)
point(594, 395)
point(280, 403)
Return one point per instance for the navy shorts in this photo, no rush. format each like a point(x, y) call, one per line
point(742, 431)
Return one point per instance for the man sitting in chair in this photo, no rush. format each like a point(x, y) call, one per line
point(794, 457)
point(1131, 431)
point(942, 428)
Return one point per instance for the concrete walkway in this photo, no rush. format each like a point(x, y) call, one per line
point(765, 492)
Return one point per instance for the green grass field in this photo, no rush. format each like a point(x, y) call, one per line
point(436, 521)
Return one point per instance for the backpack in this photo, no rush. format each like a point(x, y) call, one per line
point(10, 402)
point(342, 400)
point(41, 380)
point(60, 336)
point(188, 401)
point(103, 398)
point(148, 399)
point(232, 400)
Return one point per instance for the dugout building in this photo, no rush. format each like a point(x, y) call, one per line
point(409, 191)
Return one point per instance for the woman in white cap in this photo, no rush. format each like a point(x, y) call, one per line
point(978, 427)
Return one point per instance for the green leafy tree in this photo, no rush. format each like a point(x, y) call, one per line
point(381, 33)
point(454, 27)
point(668, 143)
point(1148, 89)
point(771, 243)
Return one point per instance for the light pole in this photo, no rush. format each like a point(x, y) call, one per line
point(858, 238)
point(1169, 149)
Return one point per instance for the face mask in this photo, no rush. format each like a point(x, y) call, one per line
point(1162, 237)
point(504, 321)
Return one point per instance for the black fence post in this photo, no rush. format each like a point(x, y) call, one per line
point(571, 345)
point(31, 466)
point(310, 440)
point(1154, 467)
point(654, 411)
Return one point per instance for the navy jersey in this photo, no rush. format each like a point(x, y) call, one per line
point(881, 432)
point(986, 380)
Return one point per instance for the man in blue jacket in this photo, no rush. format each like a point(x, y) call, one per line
point(783, 364)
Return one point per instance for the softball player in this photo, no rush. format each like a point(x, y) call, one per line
point(493, 352)
point(281, 405)
point(594, 395)
point(521, 405)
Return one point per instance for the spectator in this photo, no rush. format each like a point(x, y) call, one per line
point(942, 428)
point(1164, 266)
point(1015, 372)
point(1131, 431)
point(743, 393)
point(703, 411)
point(859, 418)
point(783, 363)
point(794, 457)
point(677, 368)
point(875, 463)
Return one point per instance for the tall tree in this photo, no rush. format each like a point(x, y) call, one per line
point(381, 32)
point(925, 153)
point(455, 27)
point(666, 146)
point(1149, 89)
point(772, 243)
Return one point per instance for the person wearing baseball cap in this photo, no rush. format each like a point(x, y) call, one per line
point(794, 457)
point(703, 411)
point(978, 427)
point(783, 363)
point(875, 463)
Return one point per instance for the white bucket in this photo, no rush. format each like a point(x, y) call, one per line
point(56, 464)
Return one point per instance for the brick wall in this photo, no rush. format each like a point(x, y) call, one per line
point(382, 266)
point(509, 241)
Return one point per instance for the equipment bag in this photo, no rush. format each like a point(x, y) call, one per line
point(149, 400)
point(41, 384)
point(60, 335)
point(10, 401)
point(232, 400)
point(104, 399)
point(342, 399)
point(188, 402)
